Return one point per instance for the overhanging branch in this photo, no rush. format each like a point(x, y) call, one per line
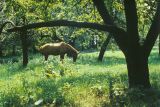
point(118, 33)
point(107, 28)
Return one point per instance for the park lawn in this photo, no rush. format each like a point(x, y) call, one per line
point(86, 83)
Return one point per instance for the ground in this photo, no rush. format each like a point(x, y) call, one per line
point(86, 83)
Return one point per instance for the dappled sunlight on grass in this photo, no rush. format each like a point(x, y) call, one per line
point(84, 83)
point(111, 58)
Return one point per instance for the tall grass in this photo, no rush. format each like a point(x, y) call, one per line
point(86, 83)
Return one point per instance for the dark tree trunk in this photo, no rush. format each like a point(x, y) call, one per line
point(14, 49)
point(24, 40)
point(82, 48)
point(159, 45)
point(1, 53)
point(1, 48)
point(138, 72)
point(103, 48)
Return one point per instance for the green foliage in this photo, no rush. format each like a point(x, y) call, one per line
point(29, 11)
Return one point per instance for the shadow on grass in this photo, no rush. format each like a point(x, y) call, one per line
point(119, 94)
point(11, 69)
point(53, 90)
point(92, 79)
point(92, 60)
point(51, 93)
point(9, 59)
point(154, 58)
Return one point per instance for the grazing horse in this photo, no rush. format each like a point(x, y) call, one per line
point(60, 48)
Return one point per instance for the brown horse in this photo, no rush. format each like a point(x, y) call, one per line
point(61, 49)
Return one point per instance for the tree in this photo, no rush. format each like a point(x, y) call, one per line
point(103, 48)
point(136, 54)
point(159, 45)
point(107, 19)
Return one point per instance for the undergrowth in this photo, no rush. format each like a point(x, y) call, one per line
point(86, 83)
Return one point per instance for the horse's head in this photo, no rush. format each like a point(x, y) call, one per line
point(75, 55)
point(72, 52)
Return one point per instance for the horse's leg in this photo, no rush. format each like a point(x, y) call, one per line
point(61, 57)
point(46, 57)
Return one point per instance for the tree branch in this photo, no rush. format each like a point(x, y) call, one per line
point(107, 28)
point(119, 38)
point(118, 33)
point(103, 11)
point(153, 32)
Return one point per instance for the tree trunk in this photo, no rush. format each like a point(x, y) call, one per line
point(159, 45)
point(1, 52)
point(138, 72)
point(103, 48)
point(24, 40)
point(14, 49)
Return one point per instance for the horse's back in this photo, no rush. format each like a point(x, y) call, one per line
point(53, 48)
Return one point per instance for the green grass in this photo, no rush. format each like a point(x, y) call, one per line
point(86, 83)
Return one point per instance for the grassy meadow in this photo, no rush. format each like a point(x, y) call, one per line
point(86, 83)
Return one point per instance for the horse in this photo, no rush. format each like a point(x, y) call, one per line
point(60, 48)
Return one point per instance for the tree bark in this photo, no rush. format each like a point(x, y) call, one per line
point(108, 28)
point(103, 48)
point(14, 49)
point(1, 50)
point(1, 53)
point(159, 45)
point(138, 72)
point(24, 40)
